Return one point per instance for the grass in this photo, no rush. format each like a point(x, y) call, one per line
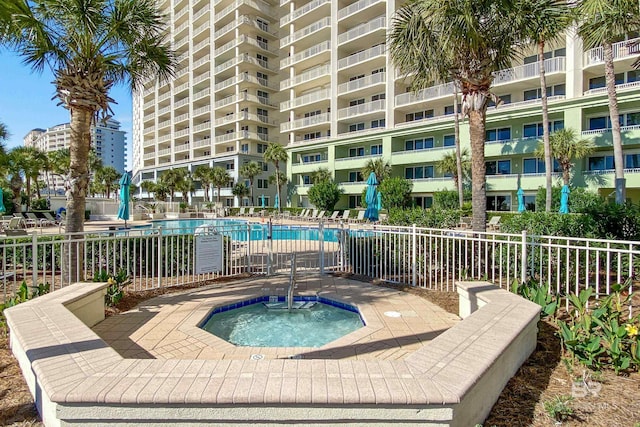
point(537, 392)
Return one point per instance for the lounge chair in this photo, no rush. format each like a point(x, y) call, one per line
point(334, 216)
point(359, 218)
point(317, 217)
point(15, 223)
point(30, 219)
point(39, 222)
point(242, 211)
point(494, 224)
point(50, 218)
point(345, 215)
point(251, 211)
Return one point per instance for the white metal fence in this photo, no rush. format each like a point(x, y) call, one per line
point(430, 258)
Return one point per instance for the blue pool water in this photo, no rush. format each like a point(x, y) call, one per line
point(256, 326)
point(237, 229)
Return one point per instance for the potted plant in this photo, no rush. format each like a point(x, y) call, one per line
point(157, 210)
point(183, 210)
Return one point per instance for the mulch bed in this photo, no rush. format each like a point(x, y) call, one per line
point(544, 376)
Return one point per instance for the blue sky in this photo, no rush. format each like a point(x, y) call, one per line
point(25, 101)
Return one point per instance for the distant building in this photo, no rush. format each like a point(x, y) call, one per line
point(108, 141)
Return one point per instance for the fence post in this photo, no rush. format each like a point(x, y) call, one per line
point(249, 247)
point(523, 261)
point(321, 243)
point(414, 262)
point(34, 261)
point(160, 257)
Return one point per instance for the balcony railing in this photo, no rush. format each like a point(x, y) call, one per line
point(621, 50)
point(201, 94)
point(201, 28)
point(425, 94)
point(182, 132)
point(206, 142)
point(308, 53)
point(201, 44)
point(164, 138)
point(201, 77)
point(608, 130)
point(230, 26)
point(181, 117)
point(356, 7)
point(202, 110)
point(307, 76)
point(164, 124)
point(302, 11)
point(199, 13)
point(182, 102)
point(363, 56)
point(181, 87)
point(366, 156)
point(527, 71)
point(202, 126)
point(316, 26)
point(366, 28)
point(305, 122)
point(258, 5)
point(357, 84)
point(620, 87)
point(309, 98)
point(149, 129)
point(366, 108)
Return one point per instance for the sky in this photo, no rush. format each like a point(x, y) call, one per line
point(26, 104)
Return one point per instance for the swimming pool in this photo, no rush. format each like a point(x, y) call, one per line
point(238, 229)
point(255, 325)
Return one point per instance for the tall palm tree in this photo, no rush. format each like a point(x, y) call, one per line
point(448, 164)
point(458, 152)
point(280, 179)
point(90, 45)
point(203, 174)
point(108, 176)
point(603, 22)
point(186, 186)
point(219, 178)
point(566, 148)
point(467, 40)
point(30, 164)
point(59, 160)
point(171, 179)
point(545, 21)
point(250, 171)
point(381, 168)
point(4, 132)
point(275, 154)
point(15, 169)
point(321, 175)
point(240, 190)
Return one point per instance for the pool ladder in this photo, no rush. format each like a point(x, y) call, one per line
point(292, 282)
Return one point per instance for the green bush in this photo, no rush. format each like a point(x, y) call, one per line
point(447, 199)
point(430, 218)
point(396, 192)
point(549, 224)
point(324, 195)
point(117, 283)
point(40, 205)
point(580, 199)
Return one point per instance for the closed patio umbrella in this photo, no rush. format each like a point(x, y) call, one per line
point(564, 199)
point(371, 197)
point(521, 206)
point(262, 200)
point(123, 209)
point(2, 208)
point(276, 202)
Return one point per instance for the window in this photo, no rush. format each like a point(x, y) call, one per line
point(359, 76)
point(418, 172)
point(262, 148)
point(355, 176)
point(498, 203)
point(355, 102)
point(506, 99)
point(500, 134)
point(418, 144)
point(534, 130)
point(423, 201)
point(600, 163)
point(596, 123)
point(306, 180)
point(263, 133)
point(264, 166)
point(262, 42)
point(499, 167)
point(312, 135)
point(263, 183)
point(356, 152)
point(419, 115)
point(378, 96)
point(449, 109)
point(263, 95)
point(312, 113)
point(551, 91)
point(532, 166)
point(311, 158)
point(449, 141)
point(632, 161)
point(356, 127)
point(262, 24)
point(380, 123)
point(230, 166)
point(355, 201)
point(244, 148)
point(376, 149)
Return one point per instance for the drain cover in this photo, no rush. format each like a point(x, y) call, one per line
point(257, 356)
point(392, 314)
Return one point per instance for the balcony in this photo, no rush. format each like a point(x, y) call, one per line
point(309, 98)
point(356, 7)
point(199, 13)
point(232, 25)
point(318, 119)
point(182, 132)
point(164, 110)
point(361, 83)
point(619, 88)
point(202, 110)
point(262, 7)
point(149, 143)
point(181, 42)
point(201, 77)
point(200, 45)
point(528, 71)
point(201, 28)
point(307, 76)
point(429, 93)
point(180, 118)
point(164, 124)
point(375, 24)
point(164, 138)
point(206, 142)
point(181, 148)
point(149, 129)
point(148, 156)
point(302, 11)
point(363, 56)
point(182, 102)
point(298, 35)
point(180, 88)
point(308, 53)
point(201, 94)
point(623, 49)
point(358, 110)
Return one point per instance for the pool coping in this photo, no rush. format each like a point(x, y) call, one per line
point(453, 380)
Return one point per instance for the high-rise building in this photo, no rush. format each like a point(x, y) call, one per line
point(107, 140)
point(342, 103)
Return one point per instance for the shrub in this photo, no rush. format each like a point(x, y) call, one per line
point(115, 290)
point(549, 224)
point(431, 218)
point(580, 199)
point(40, 205)
point(324, 195)
point(396, 192)
point(446, 199)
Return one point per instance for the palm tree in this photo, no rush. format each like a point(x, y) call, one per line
point(275, 154)
point(203, 174)
point(381, 168)
point(279, 179)
point(30, 163)
point(456, 132)
point(448, 164)
point(545, 21)
point(4, 132)
point(602, 23)
point(60, 161)
point(108, 176)
point(240, 190)
point(15, 169)
point(219, 178)
point(467, 40)
point(565, 148)
point(250, 171)
point(321, 175)
point(171, 179)
point(186, 186)
point(90, 45)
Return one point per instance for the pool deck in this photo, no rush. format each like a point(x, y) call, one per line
point(166, 327)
